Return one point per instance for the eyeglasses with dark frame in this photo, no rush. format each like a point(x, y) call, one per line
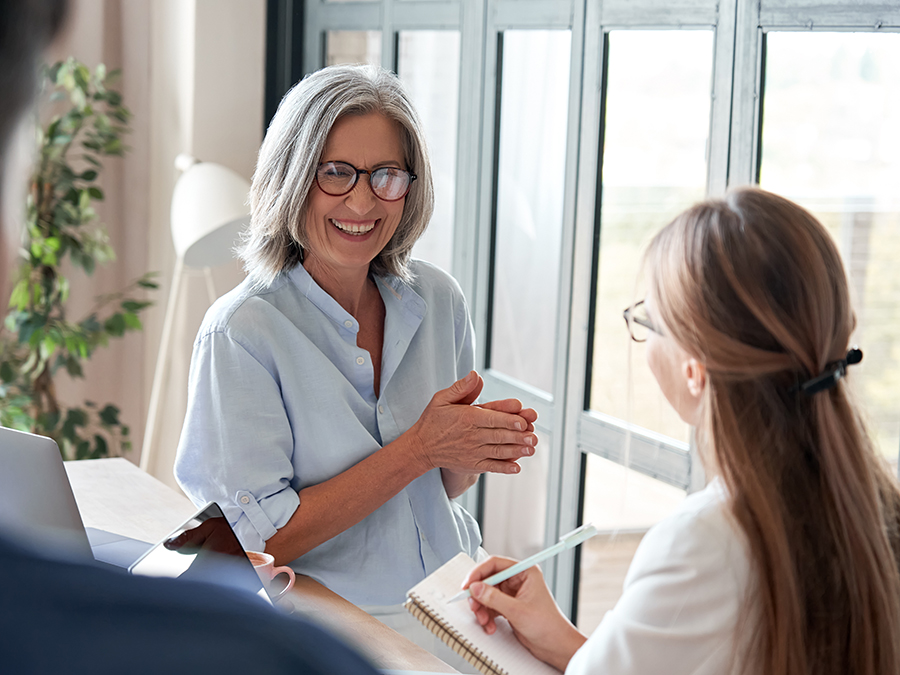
point(388, 183)
point(636, 319)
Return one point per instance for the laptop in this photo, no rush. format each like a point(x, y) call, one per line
point(37, 506)
point(38, 509)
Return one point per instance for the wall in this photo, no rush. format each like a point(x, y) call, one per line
point(95, 34)
point(209, 58)
point(193, 75)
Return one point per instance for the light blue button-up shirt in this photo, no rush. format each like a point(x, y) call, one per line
point(281, 398)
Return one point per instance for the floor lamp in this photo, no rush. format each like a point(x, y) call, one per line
point(209, 210)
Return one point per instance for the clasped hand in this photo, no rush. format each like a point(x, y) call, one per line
point(456, 435)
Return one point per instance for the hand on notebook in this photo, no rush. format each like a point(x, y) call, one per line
point(528, 605)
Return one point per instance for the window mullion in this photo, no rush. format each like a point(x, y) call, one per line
point(746, 92)
point(722, 99)
point(563, 499)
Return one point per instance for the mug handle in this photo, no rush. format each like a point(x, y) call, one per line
point(290, 584)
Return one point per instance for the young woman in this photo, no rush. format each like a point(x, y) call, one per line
point(786, 563)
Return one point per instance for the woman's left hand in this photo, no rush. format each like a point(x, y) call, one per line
point(514, 407)
point(457, 482)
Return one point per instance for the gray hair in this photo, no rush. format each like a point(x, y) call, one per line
point(292, 149)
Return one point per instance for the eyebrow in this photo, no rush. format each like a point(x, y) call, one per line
point(389, 163)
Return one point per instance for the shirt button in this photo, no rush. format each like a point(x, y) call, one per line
point(381, 409)
point(360, 360)
point(348, 323)
point(245, 499)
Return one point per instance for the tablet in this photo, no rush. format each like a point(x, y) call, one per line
point(203, 548)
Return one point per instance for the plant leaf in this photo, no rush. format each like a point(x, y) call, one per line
point(115, 325)
point(132, 321)
point(110, 415)
point(100, 447)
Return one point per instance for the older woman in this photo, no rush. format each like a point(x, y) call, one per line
point(330, 411)
point(786, 564)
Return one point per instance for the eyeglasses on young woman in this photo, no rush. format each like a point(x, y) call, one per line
point(638, 321)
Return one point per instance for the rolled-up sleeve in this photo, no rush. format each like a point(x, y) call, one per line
point(237, 443)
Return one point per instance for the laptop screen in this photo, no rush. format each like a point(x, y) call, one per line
point(37, 507)
point(204, 548)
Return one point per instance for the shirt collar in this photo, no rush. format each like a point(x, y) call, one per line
point(330, 307)
point(393, 290)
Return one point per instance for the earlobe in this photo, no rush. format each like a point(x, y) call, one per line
point(695, 373)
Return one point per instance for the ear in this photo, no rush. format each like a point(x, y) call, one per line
point(695, 374)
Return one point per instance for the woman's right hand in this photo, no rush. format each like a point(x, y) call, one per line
point(528, 605)
point(453, 434)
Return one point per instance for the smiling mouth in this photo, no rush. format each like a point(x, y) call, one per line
point(354, 228)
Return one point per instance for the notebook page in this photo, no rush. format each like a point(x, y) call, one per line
point(502, 647)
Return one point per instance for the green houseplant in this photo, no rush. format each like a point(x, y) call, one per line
point(38, 339)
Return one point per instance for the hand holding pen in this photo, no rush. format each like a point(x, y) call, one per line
point(567, 541)
point(526, 602)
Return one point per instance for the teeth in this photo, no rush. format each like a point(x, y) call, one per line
point(350, 228)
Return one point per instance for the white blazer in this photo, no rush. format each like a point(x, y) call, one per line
point(682, 598)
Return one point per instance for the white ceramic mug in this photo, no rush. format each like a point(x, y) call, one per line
point(264, 564)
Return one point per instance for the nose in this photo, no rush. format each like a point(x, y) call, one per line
point(361, 199)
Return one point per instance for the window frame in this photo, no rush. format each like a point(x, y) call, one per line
point(733, 159)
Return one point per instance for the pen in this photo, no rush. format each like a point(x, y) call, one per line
point(566, 541)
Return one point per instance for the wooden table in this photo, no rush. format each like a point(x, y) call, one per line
point(116, 496)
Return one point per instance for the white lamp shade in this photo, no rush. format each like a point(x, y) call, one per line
point(209, 210)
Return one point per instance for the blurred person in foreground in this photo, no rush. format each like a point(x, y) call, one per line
point(65, 617)
point(786, 564)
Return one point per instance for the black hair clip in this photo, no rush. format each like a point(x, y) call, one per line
point(833, 372)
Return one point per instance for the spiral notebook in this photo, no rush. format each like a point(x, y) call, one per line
point(455, 624)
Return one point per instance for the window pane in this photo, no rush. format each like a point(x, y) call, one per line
point(515, 507)
point(530, 180)
point(831, 142)
point(654, 165)
point(353, 46)
point(429, 67)
point(622, 504)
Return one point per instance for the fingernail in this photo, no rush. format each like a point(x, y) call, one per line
point(529, 451)
point(476, 589)
point(531, 439)
point(470, 376)
point(520, 426)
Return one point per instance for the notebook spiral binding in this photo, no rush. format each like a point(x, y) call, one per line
point(424, 613)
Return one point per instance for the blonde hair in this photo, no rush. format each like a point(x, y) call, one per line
point(753, 286)
point(290, 153)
